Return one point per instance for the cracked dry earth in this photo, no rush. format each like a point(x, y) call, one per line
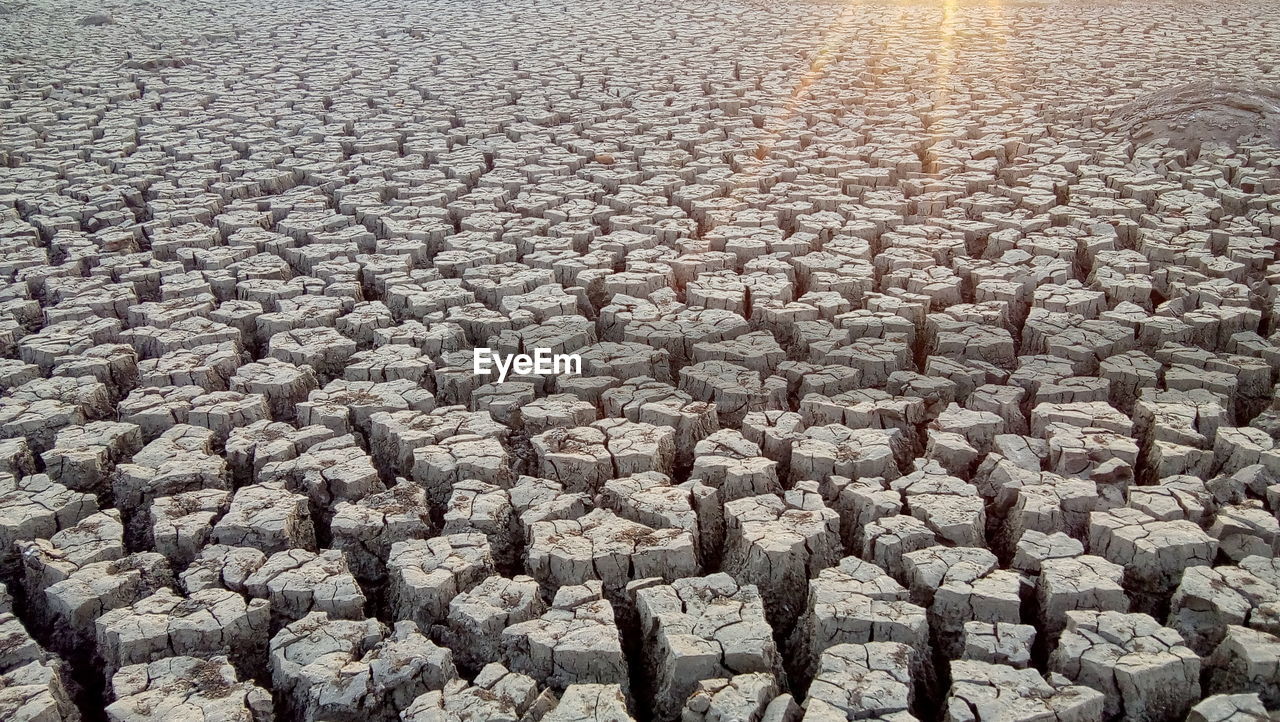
point(928, 349)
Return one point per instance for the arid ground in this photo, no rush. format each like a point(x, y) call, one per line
point(927, 353)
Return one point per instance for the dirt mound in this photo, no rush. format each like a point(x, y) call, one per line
point(1204, 111)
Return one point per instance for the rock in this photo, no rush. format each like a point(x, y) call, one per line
point(1223, 707)
point(960, 585)
point(496, 694)
point(210, 622)
point(1035, 548)
point(734, 466)
point(180, 460)
point(1078, 583)
point(426, 575)
point(37, 691)
point(982, 690)
point(348, 406)
point(603, 546)
point(885, 541)
point(95, 538)
point(365, 530)
point(779, 544)
point(266, 517)
point(999, 643)
point(556, 411)
point(439, 467)
point(475, 506)
point(1153, 553)
point(174, 687)
point(20, 649)
point(183, 523)
point(395, 436)
point(535, 500)
point(222, 567)
point(595, 702)
point(297, 582)
point(1209, 599)
point(34, 507)
point(282, 384)
point(575, 642)
point(951, 508)
point(742, 696)
point(1247, 660)
point(330, 471)
point(649, 499)
point(932, 324)
point(698, 629)
point(96, 19)
point(83, 457)
point(735, 391)
point(478, 616)
point(860, 681)
point(855, 603)
point(250, 448)
point(77, 602)
point(585, 457)
point(1142, 668)
point(345, 668)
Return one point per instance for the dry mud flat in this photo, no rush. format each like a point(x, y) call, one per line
point(928, 351)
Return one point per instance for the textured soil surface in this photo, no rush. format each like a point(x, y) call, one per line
point(928, 361)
